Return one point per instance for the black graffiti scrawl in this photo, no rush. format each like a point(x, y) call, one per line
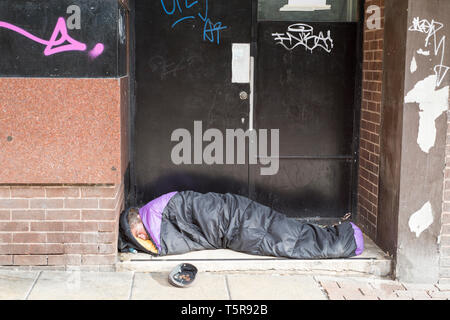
point(59, 38)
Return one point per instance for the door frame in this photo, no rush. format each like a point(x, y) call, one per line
point(357, 113)
point(130, 176)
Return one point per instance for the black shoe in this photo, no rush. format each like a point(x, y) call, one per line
point(183, 275)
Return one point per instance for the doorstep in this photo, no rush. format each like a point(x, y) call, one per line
point(373, 262)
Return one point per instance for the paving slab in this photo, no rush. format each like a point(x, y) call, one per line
point(15, 285)
point(75, 285)
point(155, 286)
point(274, 287)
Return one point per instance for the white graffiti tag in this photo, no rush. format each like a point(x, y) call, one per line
point(431, 29)
point(300, 34)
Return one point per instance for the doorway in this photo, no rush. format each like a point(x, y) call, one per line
point(185, 80)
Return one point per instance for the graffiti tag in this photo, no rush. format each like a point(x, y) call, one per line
point(211, 30)
point(60, 41)
point(301, 34)
point(165, 69)
point(431, 29)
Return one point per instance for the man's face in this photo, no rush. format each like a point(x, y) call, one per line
point(139, 231)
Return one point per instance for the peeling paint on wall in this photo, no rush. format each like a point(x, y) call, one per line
point(413, 67)
point(432, 103)
point(421, 220)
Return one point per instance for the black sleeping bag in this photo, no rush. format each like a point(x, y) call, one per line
point(194, 221)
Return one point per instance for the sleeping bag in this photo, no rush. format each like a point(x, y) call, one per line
point(186, 221)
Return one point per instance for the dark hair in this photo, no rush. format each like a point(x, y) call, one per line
point(133, 217)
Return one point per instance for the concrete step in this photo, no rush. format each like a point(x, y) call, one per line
point(373, 262)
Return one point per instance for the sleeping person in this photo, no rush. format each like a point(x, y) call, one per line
point(180, 222)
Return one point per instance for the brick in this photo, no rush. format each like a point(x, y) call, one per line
point(446, 206)
point(419, 286)
point(107, 237)
point(6, 260)
point(353, 285)
point(446, 229)
point(335, 295)
point(414, 294)
point(64, 237)
point(81, 203)
point(352, 294)
point(29, 237)
point(373, 45)
point(47, 226)
point(20, 248)
point(107, 248)
point(6, 237)
point(61, 192)
point(5, 193)
point(14, 226)
point(23, 192)
point(46, 203)
point(329, 285)
point(62, 215)
point(98, 215)
point(388, 287)
point(81, 226)
point(80, 248)
point(30, 260)
point(5, 215)
point(107, 226)
point(107, 203)
point(66, 260)
point(98, 259)
point(6, 249)
point(446, 216)
point(52, 248)
point(56, 260)
point(14, 204)
point(28, 214)
point(99, 192)
point(369, 35)
point(73, 259)
point(383, 295)
point(89, 237)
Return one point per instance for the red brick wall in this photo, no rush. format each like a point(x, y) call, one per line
point(370, 124)
point(61, 227)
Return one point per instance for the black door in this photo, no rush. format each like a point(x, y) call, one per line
point(184, 74)
point(305, 85)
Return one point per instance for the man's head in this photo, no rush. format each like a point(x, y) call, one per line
point(136, 226)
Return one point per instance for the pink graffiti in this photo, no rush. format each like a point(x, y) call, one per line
point(55, 45)
point(98, 50)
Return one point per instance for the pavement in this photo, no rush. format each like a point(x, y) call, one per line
point(80, 285)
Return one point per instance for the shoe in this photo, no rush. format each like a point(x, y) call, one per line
point(183, 275)
point(359, 239)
